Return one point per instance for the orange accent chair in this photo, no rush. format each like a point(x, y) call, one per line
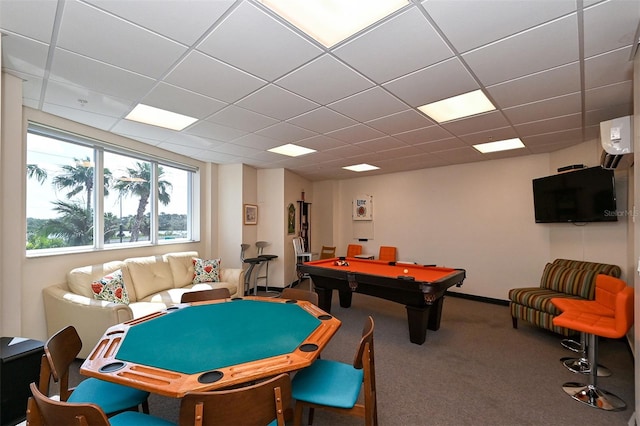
point(609, 315)
point(387, 253)
point(327, 252)
point(353, 250)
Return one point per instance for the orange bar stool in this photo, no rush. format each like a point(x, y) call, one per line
point(596, 325)
point(604, 304)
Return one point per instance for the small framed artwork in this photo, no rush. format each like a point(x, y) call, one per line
point(250, 214)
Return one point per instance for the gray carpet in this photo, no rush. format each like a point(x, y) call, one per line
point(476, 370)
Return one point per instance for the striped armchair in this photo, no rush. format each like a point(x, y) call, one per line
point(563, 278)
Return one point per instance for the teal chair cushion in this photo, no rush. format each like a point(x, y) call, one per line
point(108, 396)
point(135, 418)
point(329, 383)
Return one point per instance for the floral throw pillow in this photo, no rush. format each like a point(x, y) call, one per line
point(206, 271)
point(111, 288)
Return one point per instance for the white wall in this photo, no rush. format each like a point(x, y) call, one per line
point(272, 222)
point(229, 208)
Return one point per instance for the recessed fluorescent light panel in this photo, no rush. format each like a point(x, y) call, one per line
point(291, 150)
point(331, 21)
point(361, 168)
point(496, 146)
point(159, 117)
point(460, 106)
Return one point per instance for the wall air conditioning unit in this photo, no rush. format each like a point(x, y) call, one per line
point(616, 137)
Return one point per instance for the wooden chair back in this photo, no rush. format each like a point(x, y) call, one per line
point(365, 359)
point(255, 405)
point(203, 295)
point(387, 253)
point(327, 252)
point(42, 410)
point(60, 350)
point(299, 294)
point(353, 250)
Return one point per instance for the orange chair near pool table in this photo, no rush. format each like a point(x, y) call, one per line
point(353, 250)
point(595, 320)
point(387, 253)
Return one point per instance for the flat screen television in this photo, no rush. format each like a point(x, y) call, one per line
point(582, 195)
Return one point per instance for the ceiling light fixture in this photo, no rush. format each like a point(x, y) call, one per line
point(291, 150)
point(330, 22)
point(460, 106)
point(361, 167)
point(159, 117)
point(496, 146)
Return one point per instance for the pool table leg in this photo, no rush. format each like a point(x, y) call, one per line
point(324, 298)
point(422, 318)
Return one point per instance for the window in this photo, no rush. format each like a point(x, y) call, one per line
point(140, 201)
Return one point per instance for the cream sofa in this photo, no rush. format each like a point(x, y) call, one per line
point(152, 283)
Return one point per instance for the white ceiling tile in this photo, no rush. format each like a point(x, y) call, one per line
point(286, 132)
point(99, 121)
point(269, 50)
point(427, 134)
point(614, 94)
point(527, 52)
point(86, 100)
point(41, 15)
point(322, 120)
point(257, 141)
point(553, 124)
point(441, 145)
point(243, 119)
point(321, 143)
point(138, 130)
point(214, 131)
point(610, 25)
point(192, 141)
point(167, 15)
point(210, 77)
point(357, 133)
point(386, 143)
point(181, 101)
point(548, 108)
point(24, 55)
point(400, 122)
point(486, 121)
point(491, 135)
point(599, 72)
point(543, 85)
point(469, 24)
point(98, 35)
point(443, 80)
point(331, 80)
point(397, 47)
point(96, 76)
point(369, 105)
point(276, 102)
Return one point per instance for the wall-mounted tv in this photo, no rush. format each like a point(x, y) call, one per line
point(582, 195)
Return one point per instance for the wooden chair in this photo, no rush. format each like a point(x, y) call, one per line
point(202, 295)
point(387, 253)
point(42, 410)
point(299, 294)
point(335, 386)
point(60, 350)
point(327, 252)
point(255, 405)
point(597, 322)
point(353, 250)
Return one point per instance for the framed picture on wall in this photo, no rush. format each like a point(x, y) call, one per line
point(291, 219)
point(250, 214)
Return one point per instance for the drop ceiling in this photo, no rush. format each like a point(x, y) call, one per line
point(553, 69)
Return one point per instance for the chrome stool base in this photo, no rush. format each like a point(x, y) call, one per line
point(594, 396)
point(583, 366)
point(572, 345)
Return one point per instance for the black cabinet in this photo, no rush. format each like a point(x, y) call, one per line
point(19, 366)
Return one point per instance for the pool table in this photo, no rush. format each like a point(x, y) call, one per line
point(211, 345)
point(420, 288)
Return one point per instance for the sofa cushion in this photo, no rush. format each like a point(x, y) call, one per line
point(602, 268)
point(111, 288)
point(80, 279)
point(149, 275)
point(206, 271)
point(538, 298)
point(577, 282)
point(181, 265)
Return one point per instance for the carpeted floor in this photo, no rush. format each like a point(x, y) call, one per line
point(476, 370)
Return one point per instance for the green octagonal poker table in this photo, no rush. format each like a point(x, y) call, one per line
point(211, 345)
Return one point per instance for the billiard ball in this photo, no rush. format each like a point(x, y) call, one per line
point(406, 271)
